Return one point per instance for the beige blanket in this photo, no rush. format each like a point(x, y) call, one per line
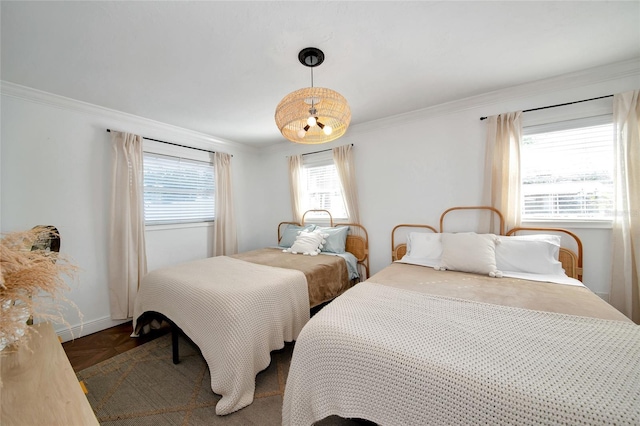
point(327, 276)
point(401, 357)
point(541, 296)
point(236, 312)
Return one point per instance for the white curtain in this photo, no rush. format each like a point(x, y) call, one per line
point(625, 288)
point(343, 159)
point(225, 238)
point(127, 254)
point(295, 182)
point(502, 166)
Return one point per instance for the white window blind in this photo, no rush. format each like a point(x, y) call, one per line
point(567, 170)
point(177, 190)
point(321, 186)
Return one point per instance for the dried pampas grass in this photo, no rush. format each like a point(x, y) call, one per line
point(32, 283)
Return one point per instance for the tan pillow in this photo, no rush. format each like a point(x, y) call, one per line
point(469, 252)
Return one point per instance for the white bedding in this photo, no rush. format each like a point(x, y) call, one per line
point(556, 279)
point(237, 312)
point(398, 357)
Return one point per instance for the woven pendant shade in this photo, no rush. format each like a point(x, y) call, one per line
point(332, 110)
point(315, 114)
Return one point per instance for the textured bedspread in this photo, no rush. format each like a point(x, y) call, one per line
point(515, 292)
point(236, 312)
point(400, 357)
point(327, 276)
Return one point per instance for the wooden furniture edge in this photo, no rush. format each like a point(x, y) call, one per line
point(39, 385)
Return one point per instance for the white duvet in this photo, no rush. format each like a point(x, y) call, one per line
point(237, 312)
point(399, 357)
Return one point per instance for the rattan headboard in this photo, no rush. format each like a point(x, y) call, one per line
point(571, 262)
point(397, 251)
point(488, 208)
point(358, 244)
point(316, 211)
point(357, 239)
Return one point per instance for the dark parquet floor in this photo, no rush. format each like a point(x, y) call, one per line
point(97, 347)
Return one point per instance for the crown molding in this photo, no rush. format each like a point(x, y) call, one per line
point(588, 77)
point(130, 121)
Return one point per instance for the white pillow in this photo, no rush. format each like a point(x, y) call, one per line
point(424, 246)
point(290, 233)
point(535, 254)
point(308, 243)
point(469, 252)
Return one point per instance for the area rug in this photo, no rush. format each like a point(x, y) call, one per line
point(143, 387)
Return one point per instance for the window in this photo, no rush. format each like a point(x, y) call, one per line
point(567, 170)
point(177, 190)
point(321, 187)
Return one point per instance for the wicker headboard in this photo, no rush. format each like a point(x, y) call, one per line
point(357, 239)
point(487, 208)
point(571, 262)
point(358, 244)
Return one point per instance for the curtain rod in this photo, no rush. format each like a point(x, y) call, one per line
point(175, 144)
point(559, 105)
point(318, 152)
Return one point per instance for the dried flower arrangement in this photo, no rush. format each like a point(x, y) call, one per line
point(31, 284)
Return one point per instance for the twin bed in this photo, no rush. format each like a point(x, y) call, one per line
point(444, 336)
point(237, 309)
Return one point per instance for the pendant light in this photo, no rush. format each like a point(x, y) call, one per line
point(313, 115)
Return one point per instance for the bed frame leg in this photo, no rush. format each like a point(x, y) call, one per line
point(175, 332)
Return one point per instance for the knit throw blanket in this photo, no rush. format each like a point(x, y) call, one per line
point(236, 312)
point(398, 357)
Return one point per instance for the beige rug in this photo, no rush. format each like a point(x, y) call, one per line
point(143, 387)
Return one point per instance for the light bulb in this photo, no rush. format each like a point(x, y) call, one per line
point(327, 130)
point(311, 121)
point(301, 133)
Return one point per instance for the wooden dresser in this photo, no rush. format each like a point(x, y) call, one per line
point(39, 386)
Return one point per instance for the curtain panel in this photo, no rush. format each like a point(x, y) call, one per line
point(295, 186)
point(225, 236)
point(502, 166)
point(625, 283)
point(343, 160)
point(127, 252)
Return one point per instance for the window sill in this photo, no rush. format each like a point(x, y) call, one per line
point(178, 226)
point(569, 223)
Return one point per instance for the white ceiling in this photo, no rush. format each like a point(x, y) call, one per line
point(221, 68)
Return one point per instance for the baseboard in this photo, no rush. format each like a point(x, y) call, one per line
point(86, 328)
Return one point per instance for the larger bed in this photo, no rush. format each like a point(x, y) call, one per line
point(414, 345)
point(237, 309)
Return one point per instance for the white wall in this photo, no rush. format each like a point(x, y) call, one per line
point(55, 170)
point(55, 160)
